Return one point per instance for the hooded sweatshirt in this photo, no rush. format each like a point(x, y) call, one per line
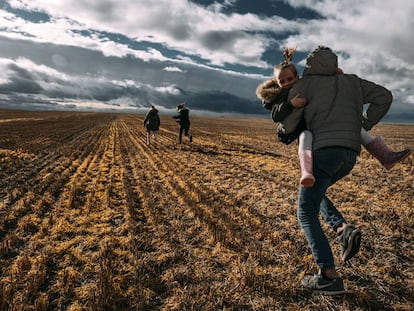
point(183, 117)
point(334, 110)
point(152, 120)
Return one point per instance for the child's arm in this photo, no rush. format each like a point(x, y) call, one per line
point(281, 110)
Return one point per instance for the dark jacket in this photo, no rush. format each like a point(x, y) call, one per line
point(276, 100)
point(183, 117)
point(271, 95)
point(152, 120)
point(281, 106)
point(335, 103)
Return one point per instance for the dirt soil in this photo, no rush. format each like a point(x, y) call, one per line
point(93, 218)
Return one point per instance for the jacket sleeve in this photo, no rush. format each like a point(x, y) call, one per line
point(379, 99)
point(292, 120)
point(281, 110)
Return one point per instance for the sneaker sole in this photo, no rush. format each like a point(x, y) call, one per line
point(354, 243)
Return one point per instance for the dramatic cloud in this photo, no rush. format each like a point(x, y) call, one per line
point(126, 55)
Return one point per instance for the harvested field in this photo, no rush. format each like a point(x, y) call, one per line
point(92, 218)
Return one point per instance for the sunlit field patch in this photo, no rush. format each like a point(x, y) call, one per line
point(93, 218)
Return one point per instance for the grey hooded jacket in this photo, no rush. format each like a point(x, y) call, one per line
point(334, 110)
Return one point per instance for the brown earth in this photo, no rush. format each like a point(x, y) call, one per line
point(92, 218)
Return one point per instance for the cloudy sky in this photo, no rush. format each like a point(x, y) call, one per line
point(124, 55)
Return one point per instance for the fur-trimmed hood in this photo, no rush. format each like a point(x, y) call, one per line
point(268, 90)
point(270, 94)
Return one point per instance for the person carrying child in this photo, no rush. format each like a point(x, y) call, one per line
point(274, 93)
point(334, 115)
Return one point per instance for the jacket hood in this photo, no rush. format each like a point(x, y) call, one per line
point(321, 61)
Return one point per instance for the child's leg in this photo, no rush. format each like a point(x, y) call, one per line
point(306, 160)
point(377, 147)
point(365, 137)
point(148, 137)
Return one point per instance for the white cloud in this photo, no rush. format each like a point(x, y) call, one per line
point(178, 24)
point(171, 89)
point(372, 38)
point(172, 69)
point(357, 27)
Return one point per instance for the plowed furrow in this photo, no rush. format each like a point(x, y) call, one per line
point(30, 171)
point(47, 181)
point(187, 197)
point(225, 212)
point(65, 227)
point(167, 234)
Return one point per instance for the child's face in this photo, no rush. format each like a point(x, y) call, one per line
point(286, 78)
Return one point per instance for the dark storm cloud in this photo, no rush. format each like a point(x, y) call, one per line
point(95, 68)
point(23, 101)
point(219, 40)
point(140, 82)
point(179, 31)
point(20, 81)
point(223, 102)
point(211, 54)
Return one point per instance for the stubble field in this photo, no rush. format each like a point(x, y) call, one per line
point(92, 218)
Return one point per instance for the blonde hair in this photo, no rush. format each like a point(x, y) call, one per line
point(287, 59)
point(269, 89)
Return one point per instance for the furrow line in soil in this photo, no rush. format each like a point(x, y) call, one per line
point(45, 184)
point(104, 256)
point(164, 191)
point(58, 236)
point(26, 174)
point(224, 205)
point(155, 226)
point(160, 202)
point(168, 236)
point(274, 220)
point(192, 244)
point(178, 185)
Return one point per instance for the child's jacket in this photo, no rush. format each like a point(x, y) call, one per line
point(276, 100)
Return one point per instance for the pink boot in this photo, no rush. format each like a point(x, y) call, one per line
point(306, 167)
point(384, 155)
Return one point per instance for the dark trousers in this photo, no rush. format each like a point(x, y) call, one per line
point(184, 129)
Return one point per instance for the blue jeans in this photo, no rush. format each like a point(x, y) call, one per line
point(329, 165)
